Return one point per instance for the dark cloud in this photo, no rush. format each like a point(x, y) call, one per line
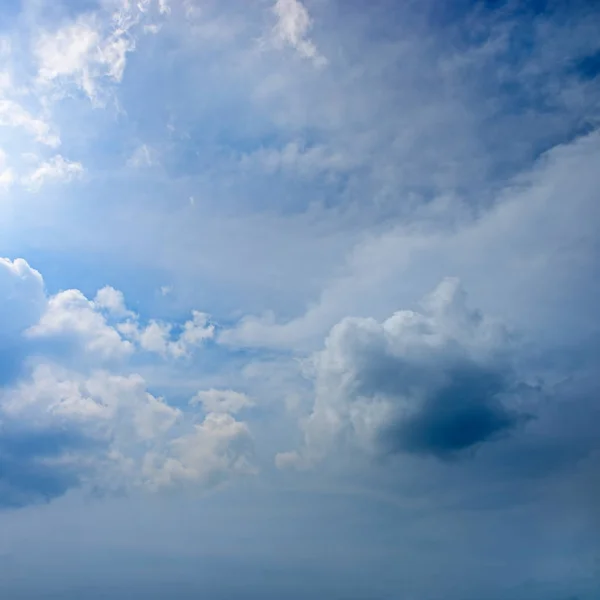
point(464, 412)
point(31, 469)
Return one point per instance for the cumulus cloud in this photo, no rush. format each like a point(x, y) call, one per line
point(71, 316)
point(217, 448)
point(157, 337)
point(102, 329)
point(64, 425)
point(113, 301)
point(62, 430)
point(433, 382)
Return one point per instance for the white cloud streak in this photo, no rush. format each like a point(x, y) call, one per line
point(292, 28)
point(55, 170)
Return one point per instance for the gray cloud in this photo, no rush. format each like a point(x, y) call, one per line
point(31, 470)
point(435, 382)
point(464, 412)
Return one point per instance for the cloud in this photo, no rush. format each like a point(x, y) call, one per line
point(292, 27)
point(57, 169)
point(222, 401)
point(156, 335)
point(13, 114)
point(92, 50)
point(63, 430)
point(400, 261)
point(70, 316)
point(22, 297)
point(83, 54)
point(65, 422)
point(31, 466)
point(113, 301)
point(433, 382)
point(463, 413)
point(103, 329)
point(324, 199)
point(218, 447)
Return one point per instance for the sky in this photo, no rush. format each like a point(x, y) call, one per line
point(298, 298)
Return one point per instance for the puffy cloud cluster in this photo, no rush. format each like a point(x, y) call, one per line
point(61, 429)
point(156, 336)
point(435, 382)
point(71, 317)
point(216, 448)
point(67, 421)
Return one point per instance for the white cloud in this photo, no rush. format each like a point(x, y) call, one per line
point(82, 53)
point(164, 7)
point(70, 315)
point(222, 401)
point(113, 301)
point(13, 114)
point(292, 27)
point(218, 447)
point(157, 336)
point(195, 331)
point(67, 52)
point(57, 169)
point(92, 50)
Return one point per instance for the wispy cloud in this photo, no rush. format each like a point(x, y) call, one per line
point(292, 28)
point(13, 114)
point(56, 169)
point(143, 156)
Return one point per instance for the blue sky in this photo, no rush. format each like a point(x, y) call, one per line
point(299, 298)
